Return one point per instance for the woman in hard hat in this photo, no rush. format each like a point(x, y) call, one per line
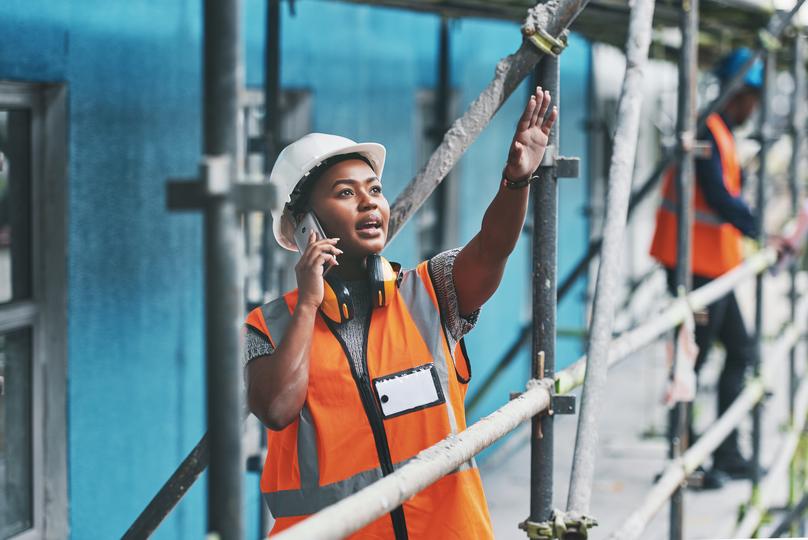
point(355, 372)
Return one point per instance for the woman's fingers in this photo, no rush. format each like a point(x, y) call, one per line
point(543, 106)
point(322, 247)
point(527, 115)
point(549, 121)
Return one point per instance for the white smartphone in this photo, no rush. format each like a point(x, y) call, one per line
point(302, 231)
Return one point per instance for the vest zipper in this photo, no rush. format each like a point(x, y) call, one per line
point(374, 417)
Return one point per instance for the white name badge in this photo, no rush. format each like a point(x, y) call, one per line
point(408, 391)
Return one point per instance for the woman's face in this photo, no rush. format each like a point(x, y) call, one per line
point(347, 199)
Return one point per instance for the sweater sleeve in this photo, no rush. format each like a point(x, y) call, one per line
point(255, 344)
point(733, 210)
point(440, 268)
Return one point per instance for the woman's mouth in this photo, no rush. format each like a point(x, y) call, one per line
point(370, 227)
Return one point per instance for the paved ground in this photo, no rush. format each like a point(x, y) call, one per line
point(631, 452)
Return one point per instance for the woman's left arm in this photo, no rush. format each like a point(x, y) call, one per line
point(479, 266)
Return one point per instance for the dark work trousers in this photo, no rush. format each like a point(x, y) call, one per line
point(724, 322)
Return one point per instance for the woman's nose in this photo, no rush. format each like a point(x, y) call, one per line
point(366, 202)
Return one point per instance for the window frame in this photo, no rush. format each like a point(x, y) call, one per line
point(45, 312)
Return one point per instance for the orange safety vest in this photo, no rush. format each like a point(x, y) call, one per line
point(716, 244)
point(355, 429)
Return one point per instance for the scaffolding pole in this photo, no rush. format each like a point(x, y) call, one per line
point(766, 140)
point(798, 119)
point(619, 190)
point(545, 240)
point(686, 137)
point(272, 131)
point(223, 283)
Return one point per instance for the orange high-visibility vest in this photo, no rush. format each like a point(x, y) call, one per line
point(716, 244)
point(355, 429)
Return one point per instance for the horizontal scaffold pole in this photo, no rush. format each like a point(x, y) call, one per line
point(671, 316)
point(772, 484)
point(546, 20)
point(431, 464)
point(676, 313)
point(678, 470)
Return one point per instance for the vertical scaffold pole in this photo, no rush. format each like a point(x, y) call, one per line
point(545, 222)
point(223, 283)
point(797, 140)
point(272, 126)
point(686, 133)
point(443, 193)
point(760, 215)
point(609, 272)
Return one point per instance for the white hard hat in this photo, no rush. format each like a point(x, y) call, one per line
point(298, 159)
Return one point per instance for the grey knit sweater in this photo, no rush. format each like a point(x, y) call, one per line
point(352, 332)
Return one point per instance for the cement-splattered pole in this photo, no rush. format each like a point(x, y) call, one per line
point(621, 173)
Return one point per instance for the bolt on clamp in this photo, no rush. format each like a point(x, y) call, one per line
point(546, 43)
point(561, 525)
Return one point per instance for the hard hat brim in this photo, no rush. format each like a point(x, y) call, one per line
point(375, 153)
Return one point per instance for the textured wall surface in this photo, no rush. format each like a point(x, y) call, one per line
point(133, 69)
point(135, 388)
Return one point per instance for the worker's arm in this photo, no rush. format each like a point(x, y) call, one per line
point(277, 383)
point(733, 210)
point(480, 264)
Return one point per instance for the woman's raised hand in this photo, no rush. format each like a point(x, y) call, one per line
point(309, 269)
point(530, 140)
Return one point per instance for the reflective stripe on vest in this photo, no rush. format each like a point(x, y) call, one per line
point(309, 500)
point(702, 216)
point(427, 320)
point(312, 497)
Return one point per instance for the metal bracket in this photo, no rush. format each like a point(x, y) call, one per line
point(185, 194)
point(565, 167)
point(560, 526)
point(546, 43)
point(215, 174)
point(563, 404)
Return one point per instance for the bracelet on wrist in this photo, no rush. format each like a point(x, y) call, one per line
point(519, 184)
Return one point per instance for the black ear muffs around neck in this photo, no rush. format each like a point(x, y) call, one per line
point(383, 279)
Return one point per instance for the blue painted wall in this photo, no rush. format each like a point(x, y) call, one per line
point(135, 389)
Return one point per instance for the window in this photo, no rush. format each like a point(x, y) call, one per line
point(16, 449)
point(32, 312)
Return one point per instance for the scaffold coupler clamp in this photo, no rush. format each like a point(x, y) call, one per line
point(547, 44)
point(768, 40)
point(561, 526)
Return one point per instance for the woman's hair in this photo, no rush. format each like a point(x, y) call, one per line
point(299, 199)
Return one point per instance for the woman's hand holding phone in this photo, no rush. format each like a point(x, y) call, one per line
point(309, 269)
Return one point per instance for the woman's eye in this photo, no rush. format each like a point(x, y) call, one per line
point(345, 193)
point(376, 189)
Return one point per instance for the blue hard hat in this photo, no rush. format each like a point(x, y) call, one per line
point(732, 63)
